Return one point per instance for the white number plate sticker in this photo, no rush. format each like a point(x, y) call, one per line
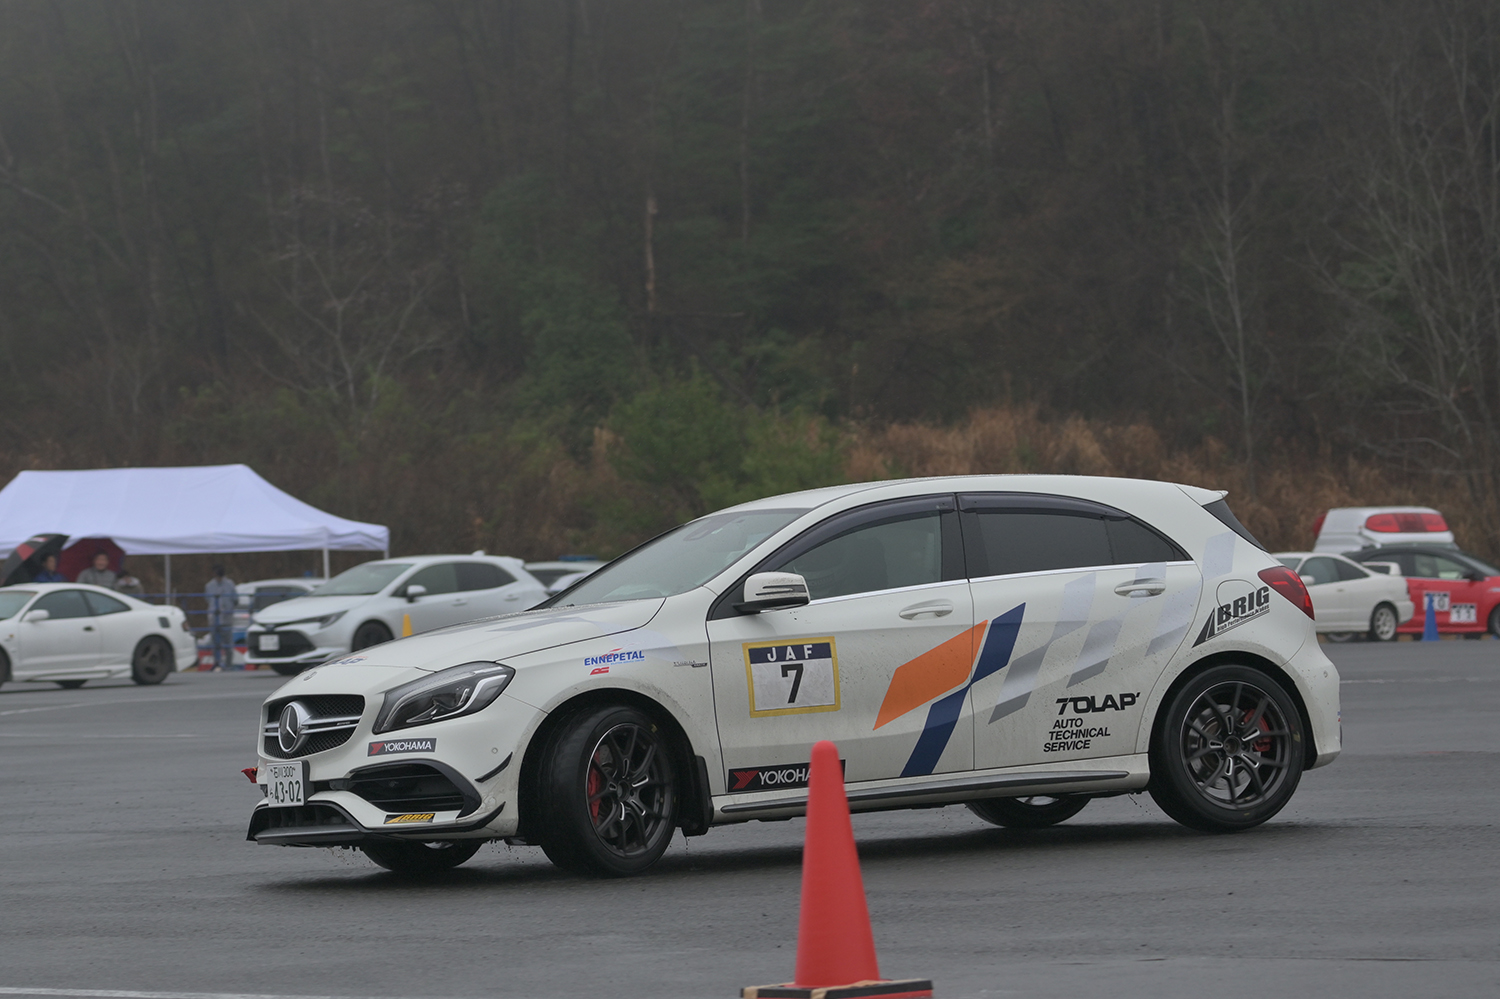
point(1463, 614)
point(788, 678)
point(1439, 599)
point(286, 783)
point(269, 643)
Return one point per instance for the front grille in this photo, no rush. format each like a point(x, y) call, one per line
point(334, 719)
point(293, 644)
point(410, 787)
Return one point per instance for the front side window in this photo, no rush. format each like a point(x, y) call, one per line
point(883, 556)
point(482, 576)
point(1321, 570)
point(1436, 567)
point(63, 604)
point(440, 578)
point(362, 580)
point(679, 560)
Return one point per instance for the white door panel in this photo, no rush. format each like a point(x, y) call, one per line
point(850, 669)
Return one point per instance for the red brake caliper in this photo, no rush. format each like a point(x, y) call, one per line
point(595, 784)
point(1260, 745)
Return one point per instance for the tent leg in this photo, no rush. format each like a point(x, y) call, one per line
point(169, 577)
point(325, 563)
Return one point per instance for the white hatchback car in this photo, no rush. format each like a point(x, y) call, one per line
point(70, 633)
point(1351, 600)
point(1020, 644)
point(376, 601)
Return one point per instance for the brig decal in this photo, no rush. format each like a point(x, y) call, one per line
point(1230, 615)
point(791, 678)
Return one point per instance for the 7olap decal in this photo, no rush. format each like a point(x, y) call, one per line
point(1239, 603)
point(792, 678)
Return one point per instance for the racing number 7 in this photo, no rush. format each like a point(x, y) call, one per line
point(786, 670)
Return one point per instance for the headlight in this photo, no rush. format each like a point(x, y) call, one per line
point(450, 693)
point(324, 622)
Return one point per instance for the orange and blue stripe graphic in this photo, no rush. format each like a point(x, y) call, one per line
point(934, 675)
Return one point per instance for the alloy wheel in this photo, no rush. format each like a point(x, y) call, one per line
point(629, 789)
point(1237, 744)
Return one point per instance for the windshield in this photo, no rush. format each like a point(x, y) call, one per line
point(362, 580)
point(12, 601)
point(679, 560)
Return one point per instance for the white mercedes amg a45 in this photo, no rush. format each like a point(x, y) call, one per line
point(1019, 644)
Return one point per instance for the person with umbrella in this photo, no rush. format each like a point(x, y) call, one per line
point(34, 561)
point(48, 572)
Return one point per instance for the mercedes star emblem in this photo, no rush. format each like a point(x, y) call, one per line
point(291, 733)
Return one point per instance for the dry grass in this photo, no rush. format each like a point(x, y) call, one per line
point(1295, 485)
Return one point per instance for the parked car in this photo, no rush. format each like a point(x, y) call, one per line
point(258, 594)
point(1351, 528)
point(69, 634)
point(377, 601)
point(1350, 599)
point(1465, 588)
point(564, 572)
point(1017, 643)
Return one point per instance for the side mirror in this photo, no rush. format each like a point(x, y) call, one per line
point(37, 615)
point(1309, 581)
point(414, 591)
point(1475, 577)
point(773, 590)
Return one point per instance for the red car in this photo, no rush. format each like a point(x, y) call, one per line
point(1466, 589)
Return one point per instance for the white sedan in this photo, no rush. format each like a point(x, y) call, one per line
point(69, 634)
point(1349, 599)
point(375, 602)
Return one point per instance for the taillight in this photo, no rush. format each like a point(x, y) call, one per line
point(1288, 584)
point(1382, 523)
point(1318, 525)
point(1434, 522)
point(1405, 523)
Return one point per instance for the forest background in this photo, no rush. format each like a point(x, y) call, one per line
point(539, 276)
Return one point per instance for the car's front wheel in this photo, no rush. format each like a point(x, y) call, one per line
point(70, 684)
point(4, 668)
point(608, 794)
point(368, 634)
point(1383, 623)
point(1495, 621)
point(1228, 751)
point(152, 661)
point(1036, 812)
point(422, 858)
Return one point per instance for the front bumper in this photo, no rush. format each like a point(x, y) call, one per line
point(298, 649)
point(325, 822)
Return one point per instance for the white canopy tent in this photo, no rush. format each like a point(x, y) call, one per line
point(207, 509)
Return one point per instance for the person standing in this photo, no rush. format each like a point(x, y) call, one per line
point(222, 597)
point(49, 573)
point(99, 574)
point(126, 583)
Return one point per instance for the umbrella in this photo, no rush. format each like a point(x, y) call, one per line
point(28, 556)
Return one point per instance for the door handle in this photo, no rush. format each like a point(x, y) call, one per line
point(460, 602)
point(1146, 587)
point(513, 596)
point(88, 627)
point(927, 608)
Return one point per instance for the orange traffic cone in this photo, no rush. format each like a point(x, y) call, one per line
point(835, 947)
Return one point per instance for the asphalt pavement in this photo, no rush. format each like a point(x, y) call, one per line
point(124, 873)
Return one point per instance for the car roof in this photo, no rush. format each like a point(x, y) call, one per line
point(285, 581)
point(48, 587)
point(813, 498)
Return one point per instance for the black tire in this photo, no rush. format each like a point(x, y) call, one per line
point(368, 634)
point(422, 858)
point(1214, 782)
point(1340, 636)
point(1036, 812)
point(1494, 622)
point(4, 668)
point(1383, 623)
point(288, 669)
point(607, 800)
point(70, 684)
point(152, 661)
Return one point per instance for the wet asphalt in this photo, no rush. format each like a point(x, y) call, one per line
point(124, 869)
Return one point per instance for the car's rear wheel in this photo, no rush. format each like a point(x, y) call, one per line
point(368, 634)
point(4, 668)
point(1228, 751)
point(1383, 623)
point(1495, 621)
point(70, 684)
point(422, 858)
point(1339, 636)
point(1036, 812)
point(152, 661)
point(608, 801)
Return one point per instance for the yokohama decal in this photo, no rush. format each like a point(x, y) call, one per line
point(770, 778)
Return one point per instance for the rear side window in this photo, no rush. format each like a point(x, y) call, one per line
point(1348, 572)
point(482, 576)
point(1012, 542)
point(63, 604)
point(1226, 516)
point(101, 604)
point(1130, 541)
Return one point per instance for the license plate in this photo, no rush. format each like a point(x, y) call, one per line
point(269, 643)
point(286, 783)
point(1464, 614)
